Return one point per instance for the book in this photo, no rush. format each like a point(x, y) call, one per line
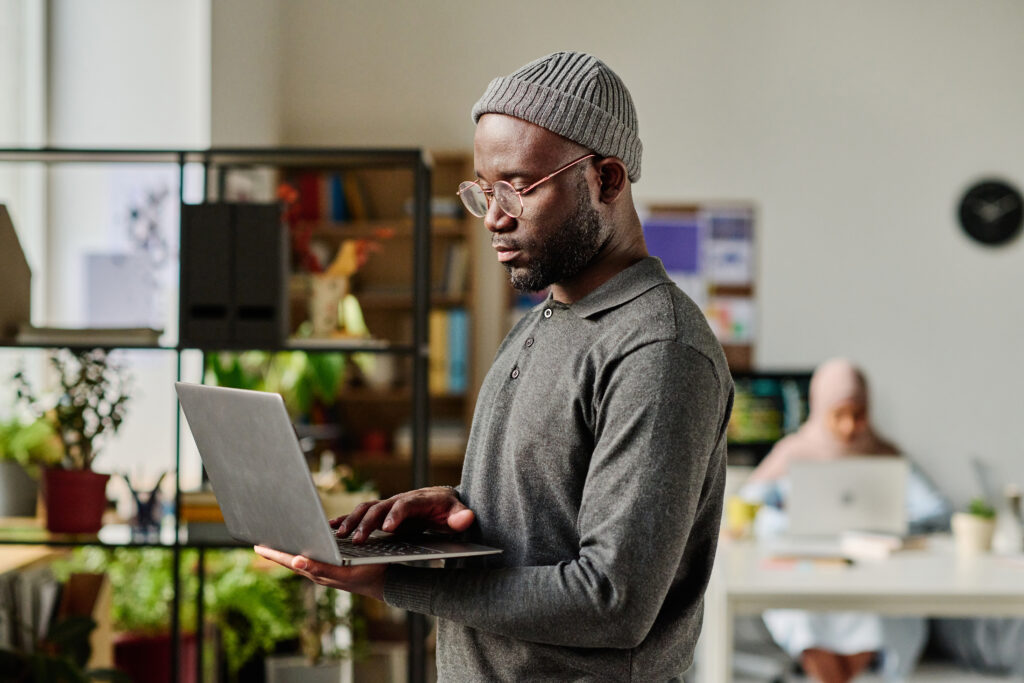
point(87, 336)
point(876, 545)
point(437, 363)
point(200, 506)
point(339, 205)
point(458, 351)
point(309, 196)
point(456, 269)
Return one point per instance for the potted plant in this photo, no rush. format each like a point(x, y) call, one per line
point(252, 609)
point(61, 655)
point(973, 528)
point(24, 448)
point(308, 382)
point(89, 406)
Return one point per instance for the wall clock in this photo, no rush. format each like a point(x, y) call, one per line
point(991, 212)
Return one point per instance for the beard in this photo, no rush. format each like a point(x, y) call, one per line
point(564, 253)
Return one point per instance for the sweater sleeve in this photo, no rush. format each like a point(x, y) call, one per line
point(659, 421)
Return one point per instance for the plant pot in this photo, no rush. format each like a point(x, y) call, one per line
point(75, 500)
point(296, 669)
point(18, 491)
point(972, 534)
point(147, 658)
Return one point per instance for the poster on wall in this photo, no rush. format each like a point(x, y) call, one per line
point(708, 250)
point(730, 247)
point(678, 240)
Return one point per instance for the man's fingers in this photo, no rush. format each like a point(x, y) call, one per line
point(460, 519)
point(352, 519)
point(284, 559)
point(372, 520)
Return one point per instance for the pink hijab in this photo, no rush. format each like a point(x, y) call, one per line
point(835, 382)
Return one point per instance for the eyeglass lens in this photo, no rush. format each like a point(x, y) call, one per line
point(475, 199)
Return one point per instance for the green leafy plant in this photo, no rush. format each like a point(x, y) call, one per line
point(980, 507)
point(250, 607)
point(61, 656)
point(254, 609)
point(91, 402)
point(32, 444)
point(304, 380)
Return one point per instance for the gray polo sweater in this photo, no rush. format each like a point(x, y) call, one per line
point(596, 460)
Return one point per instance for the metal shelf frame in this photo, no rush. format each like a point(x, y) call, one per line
point(420, 163)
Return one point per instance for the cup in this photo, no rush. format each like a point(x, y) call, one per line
point(739, 516)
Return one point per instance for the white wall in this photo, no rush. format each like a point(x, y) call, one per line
point(245, 63)
point(853, 126)
point(123, 73)
point(126, 73)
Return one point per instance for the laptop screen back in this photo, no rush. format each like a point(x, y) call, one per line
point(855, 493)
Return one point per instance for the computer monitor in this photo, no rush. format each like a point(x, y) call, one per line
point(767, 407)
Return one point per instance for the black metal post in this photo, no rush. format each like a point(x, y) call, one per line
point(417, 623)
point(200, 612)
point(176, 548)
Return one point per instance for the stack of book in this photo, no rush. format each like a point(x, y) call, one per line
point(876, 545)
point(202, 517)
point(448, 366)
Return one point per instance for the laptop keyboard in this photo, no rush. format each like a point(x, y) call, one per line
point(376, 547)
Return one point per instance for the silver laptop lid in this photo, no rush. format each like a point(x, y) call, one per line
point(242, 436)
point(863, 493)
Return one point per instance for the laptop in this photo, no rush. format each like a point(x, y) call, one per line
point(852, 493)
point(265, 489)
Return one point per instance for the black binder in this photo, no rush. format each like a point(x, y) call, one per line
point(234, 270)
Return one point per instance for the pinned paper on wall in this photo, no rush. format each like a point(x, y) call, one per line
point(708, 251)
point(731, 248)
point(678, 241)
point(732, 319)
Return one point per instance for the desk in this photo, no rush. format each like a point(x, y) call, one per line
point(930, 582)
point(20, 558)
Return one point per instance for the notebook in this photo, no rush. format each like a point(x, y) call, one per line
point(265, 489)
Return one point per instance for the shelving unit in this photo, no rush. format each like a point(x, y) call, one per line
point(397, 290)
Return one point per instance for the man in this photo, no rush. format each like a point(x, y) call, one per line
point(596, 458)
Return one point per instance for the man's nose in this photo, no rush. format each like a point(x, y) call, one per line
point(497, 220)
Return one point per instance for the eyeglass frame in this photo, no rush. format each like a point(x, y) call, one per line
point(489, 193)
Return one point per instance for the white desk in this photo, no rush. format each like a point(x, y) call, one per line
point(932, 582)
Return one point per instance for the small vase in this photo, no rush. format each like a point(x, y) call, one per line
point(147, 658)
point(326, 296)
point(75, 500)
point(972, 534)
point(1008, 538)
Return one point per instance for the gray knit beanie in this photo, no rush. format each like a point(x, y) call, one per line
point(574, 95)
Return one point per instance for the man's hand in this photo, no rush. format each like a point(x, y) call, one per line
point(436, 508)
point(366, 579)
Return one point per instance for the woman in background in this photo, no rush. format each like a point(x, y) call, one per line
point(835, 647)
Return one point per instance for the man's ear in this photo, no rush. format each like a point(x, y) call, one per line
point(613, 177)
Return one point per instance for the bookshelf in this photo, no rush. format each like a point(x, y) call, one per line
point(388, 192)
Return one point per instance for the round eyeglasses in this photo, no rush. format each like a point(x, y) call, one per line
point(510, 200)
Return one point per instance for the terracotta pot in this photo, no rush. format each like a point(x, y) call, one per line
point(147, 658)
point(75, 500)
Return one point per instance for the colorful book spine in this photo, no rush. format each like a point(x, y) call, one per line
point(437, 363)
point(458, 351)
